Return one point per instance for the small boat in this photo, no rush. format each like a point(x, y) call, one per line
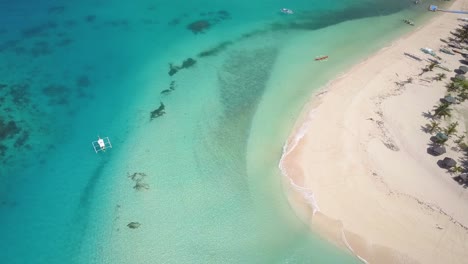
point(428, 51)
point(409, 22)
point(287, 11)
point(101, 144)
point(321, 58)
point(413, 56)
point(446, 51)
point(459, 52)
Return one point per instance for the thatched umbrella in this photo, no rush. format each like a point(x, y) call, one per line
point(463, 69)
point(460, 77)
point(438, 150)
point(449, 162)
point(441, 137)
point(450, 99)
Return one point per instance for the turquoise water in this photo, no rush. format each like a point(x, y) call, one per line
point(209, 190)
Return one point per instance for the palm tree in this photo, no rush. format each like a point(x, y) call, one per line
point(442, 110)
point(433, 126)
point(459, 139)
point(428, 68)
point(457, 169)
point(451, 129)
point(452, 87)
point(440, 76)
point(462, 96)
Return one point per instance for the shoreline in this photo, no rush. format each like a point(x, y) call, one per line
point(398, 219)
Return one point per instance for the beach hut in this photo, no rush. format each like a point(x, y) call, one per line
point(438, 150)
point(463, 69)
point(460, 77)
point(441, 137)
point(449, 162)
point(449, 99)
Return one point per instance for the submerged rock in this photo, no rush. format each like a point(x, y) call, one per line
point(134, 225)
point(158, 112)
point(188, 63)
point(173, 69)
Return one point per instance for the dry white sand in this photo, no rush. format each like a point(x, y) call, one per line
point(364, 157)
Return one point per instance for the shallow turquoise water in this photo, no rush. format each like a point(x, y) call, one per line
point(212, 193)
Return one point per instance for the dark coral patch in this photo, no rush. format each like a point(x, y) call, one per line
point(172, 85)
point(8, 129)
point(173, 22)
point(64, 42)
point(187, 63)
point(83, 81)
point(214, 51)
point(3, 150)
point(199, 26)
point(57, 94)
point(21, 140)
point(40, 30)
point(19, 94)
point(9, 44)
point(90, 18)
point(40, 48)
point(158, 112)
point(173, 69)
point(56, 10)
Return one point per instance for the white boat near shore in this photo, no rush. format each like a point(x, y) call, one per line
point(287, 11)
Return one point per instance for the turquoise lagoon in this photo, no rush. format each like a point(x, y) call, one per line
point(202, 179)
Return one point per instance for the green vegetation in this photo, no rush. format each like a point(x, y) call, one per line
point(442, 110)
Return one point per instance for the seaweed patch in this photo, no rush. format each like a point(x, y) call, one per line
point(138, 178)
point(83, 81)
point(158, 112)
point(170, 89)
point(214, 51)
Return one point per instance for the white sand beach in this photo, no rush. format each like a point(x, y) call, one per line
point(364, 157)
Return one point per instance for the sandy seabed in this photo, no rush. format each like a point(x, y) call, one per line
point(357, 163)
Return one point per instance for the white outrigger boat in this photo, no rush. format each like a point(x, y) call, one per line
point(287, 11)
point(101, 144)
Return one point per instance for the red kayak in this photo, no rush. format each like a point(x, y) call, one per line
point(321, 58)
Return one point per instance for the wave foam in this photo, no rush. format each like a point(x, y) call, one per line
point(307, 193)
point(287, 149)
